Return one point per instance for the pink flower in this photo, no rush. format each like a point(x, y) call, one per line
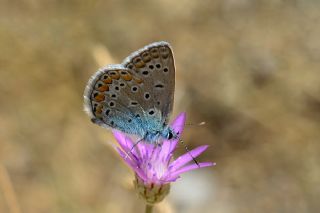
point(154, 165)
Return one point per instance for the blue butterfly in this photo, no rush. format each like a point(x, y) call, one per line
point(136, 96)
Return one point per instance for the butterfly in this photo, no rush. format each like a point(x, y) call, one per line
point(136, 96)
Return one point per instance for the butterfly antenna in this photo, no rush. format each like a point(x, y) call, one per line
point(198, 124)
point(188, 151)
point(192, 124)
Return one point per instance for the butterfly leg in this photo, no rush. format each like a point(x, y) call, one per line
point(134, 145)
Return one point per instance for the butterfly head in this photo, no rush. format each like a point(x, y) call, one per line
point(169, 134)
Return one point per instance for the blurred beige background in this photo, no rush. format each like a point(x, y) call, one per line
point(248, 68)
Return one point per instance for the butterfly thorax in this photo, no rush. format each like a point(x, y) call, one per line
point(156, 137)
point(154, 128)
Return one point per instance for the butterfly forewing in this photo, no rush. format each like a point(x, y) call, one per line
point(154, 64)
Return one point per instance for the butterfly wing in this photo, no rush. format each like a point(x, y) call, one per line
point(136, 96)
point(108, 100)
point(154, 64)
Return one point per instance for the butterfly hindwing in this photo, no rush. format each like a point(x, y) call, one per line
point(108, 102)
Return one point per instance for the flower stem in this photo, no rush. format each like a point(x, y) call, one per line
point(149, 208)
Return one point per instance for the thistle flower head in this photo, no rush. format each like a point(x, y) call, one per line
point(154, 165)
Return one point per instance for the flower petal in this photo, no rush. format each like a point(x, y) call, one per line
point(125, 143)
point(173, 145)
point(141, 174)
point(131, 162)
point(151, 163)
point(178, 124)
point(122, 140)
point(172, 179)
point(165, 148)
point(146, 150)
point(133, 165)
point(191, 167)
point(187, 157)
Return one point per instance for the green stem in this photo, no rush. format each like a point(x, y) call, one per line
point(149, 208)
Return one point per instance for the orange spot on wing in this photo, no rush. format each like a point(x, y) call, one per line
point(103, 88)
point(115, 76)
point(138, 63)
point(127, 77)
point(164, 51)
point(130, 66)
point(146, 57)
point(107, 80)
point(99, 97)
point(154, 52)
point(138, 80)
point(99, 109)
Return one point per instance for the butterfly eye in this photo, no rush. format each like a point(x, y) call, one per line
point(158, 66)
point(170, 135)
point(165, 70)
point(151, 66)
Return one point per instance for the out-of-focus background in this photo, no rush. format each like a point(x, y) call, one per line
point(249, 68)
